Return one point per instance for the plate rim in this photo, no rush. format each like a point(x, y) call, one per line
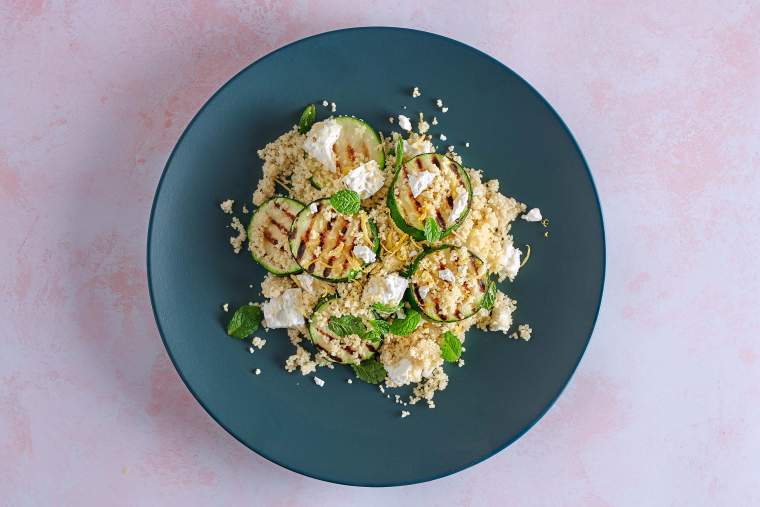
point(458, 468)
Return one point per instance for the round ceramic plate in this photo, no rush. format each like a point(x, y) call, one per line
point(352, 434)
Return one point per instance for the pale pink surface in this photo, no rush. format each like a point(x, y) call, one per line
point(665, 103)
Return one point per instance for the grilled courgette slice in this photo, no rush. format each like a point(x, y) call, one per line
point(447, 199)
point(268, 235)
point(435, 295)
point(322, 241)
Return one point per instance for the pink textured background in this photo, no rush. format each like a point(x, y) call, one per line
point(664, 101)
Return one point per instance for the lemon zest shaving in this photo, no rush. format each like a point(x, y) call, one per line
point(527, 256)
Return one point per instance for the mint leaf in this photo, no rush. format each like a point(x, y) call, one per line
point(451, 347)
point(432, 231)
point(307, 119)
point(399, 154)
point(382, 308)
point(346, 202)
point(381, 326)
point(407, 325)
point(373, 336)
point(371, 371)
point(347, 325)
point(489, 298)
point(245, 321)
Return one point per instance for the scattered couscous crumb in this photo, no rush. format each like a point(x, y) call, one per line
point(450, 149)
point(258, 342)
point(382, 389)
point(439, 102)
point(422, 125)
point(245, 209)
point(444, 109)
point(467, 144)
point(434, 121)
point(333, 107)
point(237, 241)
point(524, 332)
point(226, 206)
point(430, 404)
point(460, 363)
point(325, 103)
point(391, 119)
point(442, 137)
point(416, 92)
point(349, 381)
point(258, 371)
point(546, 234)
point(319, 381)
point(226, 307)
point(405, 413)
point(251, 350)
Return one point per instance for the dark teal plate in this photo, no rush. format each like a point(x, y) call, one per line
point(350, 433)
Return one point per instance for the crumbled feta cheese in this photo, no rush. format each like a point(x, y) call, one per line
point(450, 149)
point(320, 141)
point(444, 109)
point(447, 275)
point(258, 371)
point(364, 253)
point(534, 215)
point(251, 350)
point(416, 92)
point(227, 206)
point(419, 181)
point(439, 102)
point(417, 147)
point(325, 103)
point(385, 289)
point(413, 253)
point(306, 281)
point(366, 179)
point(226, 307)
point(467, 144)
point(423, 291)
point(319, 381)
point(405, 413)
point(333, 107)
point(404, 123)
point(510, 260)
point(349, 381)
point(400, 314)
point(443, 137)
point(382, 389)
point(391, 119)
point(313, 208)
point(283, 310)
point(460, 363)
point(460, 204)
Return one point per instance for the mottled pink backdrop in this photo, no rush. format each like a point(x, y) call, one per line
point(665, 103)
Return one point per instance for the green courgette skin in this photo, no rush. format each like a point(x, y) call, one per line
point(314, 334)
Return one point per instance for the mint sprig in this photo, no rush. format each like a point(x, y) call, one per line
point(432, 231)
point(346, 202)
point(245, 321)
point(489, 298)
point(346, 325)
point(308, 117)
point(451, 347)
point(407, 325)
point(370, 371)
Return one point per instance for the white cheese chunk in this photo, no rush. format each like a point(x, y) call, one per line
point(319, 381)
point(423, 291)
point(364, 253)
point(320, 141)
point(404, 122)
point(419, 181)
point(365, 179)
point(386, 290)
point(510, 260)
point(284, 310)
point(460, 204)
point(534, 215)
point(313, 208)
point(447, 275)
